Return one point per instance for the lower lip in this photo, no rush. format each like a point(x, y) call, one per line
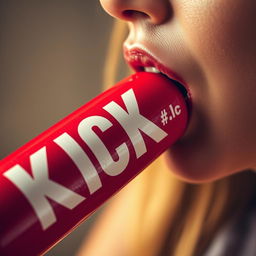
point(115, 136)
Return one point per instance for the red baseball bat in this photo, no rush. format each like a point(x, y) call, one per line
point(54, 182)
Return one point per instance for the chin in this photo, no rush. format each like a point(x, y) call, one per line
point(194, 165)
point(197, 165)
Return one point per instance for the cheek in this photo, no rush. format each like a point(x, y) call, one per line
point(221, 37)
point(218, 30)
point(225, 48)
point(219, 33)
point(233, 123)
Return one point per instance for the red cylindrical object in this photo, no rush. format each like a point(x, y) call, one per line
point(51, 184)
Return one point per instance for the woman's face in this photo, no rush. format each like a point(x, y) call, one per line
point(211, 45)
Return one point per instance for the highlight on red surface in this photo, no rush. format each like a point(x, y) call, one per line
point(54, 182)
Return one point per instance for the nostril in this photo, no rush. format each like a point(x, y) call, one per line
point(128, 13)
point(131, 14)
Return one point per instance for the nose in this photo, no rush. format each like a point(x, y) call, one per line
point(156, 11)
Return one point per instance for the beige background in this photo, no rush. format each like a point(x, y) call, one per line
point(51, 59)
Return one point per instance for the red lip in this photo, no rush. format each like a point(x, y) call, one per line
point(138, 59)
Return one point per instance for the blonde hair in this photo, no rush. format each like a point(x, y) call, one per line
point(168, 216)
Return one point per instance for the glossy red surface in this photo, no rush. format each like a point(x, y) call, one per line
point(135, 121)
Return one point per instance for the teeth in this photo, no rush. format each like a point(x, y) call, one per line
point(151, 69)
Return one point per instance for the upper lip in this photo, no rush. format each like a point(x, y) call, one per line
point(138, 59)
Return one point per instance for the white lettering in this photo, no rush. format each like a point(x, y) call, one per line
point(132, 122)
point(177, 110)
point(39, 186)
point(107, 163)
point(82, 161)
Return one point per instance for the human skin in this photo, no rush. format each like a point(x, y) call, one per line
point(210, 44)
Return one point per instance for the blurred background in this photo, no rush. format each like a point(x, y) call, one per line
point(51, 57)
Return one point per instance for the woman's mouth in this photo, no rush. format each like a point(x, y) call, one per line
point(141, 61)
